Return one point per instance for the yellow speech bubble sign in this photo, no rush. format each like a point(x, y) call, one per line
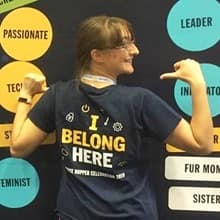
point(11, 78)
point(25, 34)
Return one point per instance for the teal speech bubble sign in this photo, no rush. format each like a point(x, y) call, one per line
point(182, 92)
point(194, 25)
point(19, 183)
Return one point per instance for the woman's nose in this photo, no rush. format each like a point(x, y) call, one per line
point(134, 49)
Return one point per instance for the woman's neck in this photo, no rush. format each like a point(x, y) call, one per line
point(98, 81)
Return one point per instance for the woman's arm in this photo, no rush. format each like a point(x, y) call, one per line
point(196, 136)
point(25, 135)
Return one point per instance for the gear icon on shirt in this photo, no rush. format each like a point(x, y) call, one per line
point(117, 126)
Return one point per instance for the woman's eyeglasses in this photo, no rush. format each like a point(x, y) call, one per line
point(125, 45)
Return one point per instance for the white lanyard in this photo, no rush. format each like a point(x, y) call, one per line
point(97, 78)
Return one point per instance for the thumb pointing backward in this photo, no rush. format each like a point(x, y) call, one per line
point(170, 75)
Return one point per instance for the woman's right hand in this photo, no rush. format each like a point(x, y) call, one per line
point(33, 84)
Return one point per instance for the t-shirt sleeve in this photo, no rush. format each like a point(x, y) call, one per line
point(42, 114)
point(159, 118)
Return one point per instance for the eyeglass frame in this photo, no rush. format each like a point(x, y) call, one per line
point(126, 45)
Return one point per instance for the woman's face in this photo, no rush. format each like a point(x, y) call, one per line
point(119, 60)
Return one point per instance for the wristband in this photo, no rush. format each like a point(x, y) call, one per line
point(24, 100)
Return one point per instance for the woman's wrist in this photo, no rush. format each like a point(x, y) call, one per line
point(25, 97)
point(198, 88)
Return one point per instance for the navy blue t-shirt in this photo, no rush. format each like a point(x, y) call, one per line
point(100, 133)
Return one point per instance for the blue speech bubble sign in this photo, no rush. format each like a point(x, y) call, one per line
point(182, 92)
point(194, 25)
point(19, 183)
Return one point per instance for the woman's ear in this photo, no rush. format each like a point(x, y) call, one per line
point(96, 55)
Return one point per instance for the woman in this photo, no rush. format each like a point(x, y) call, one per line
point(100, 125)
